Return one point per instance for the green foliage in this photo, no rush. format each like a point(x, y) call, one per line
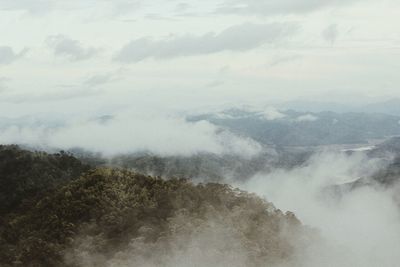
point(26, 176)
point(113, 209)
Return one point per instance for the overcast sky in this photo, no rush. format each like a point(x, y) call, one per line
point(101, 55)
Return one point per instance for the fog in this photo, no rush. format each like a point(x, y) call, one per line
point(129, 132)
point(217, 239)
point(347, 227)
point(354, 227)
point(359, 227)
point(212, 244)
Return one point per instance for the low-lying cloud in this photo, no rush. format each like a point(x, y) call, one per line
point(359, 227)
point(271, 113)
point(128, 133)
point(236, 38)
point(306, 117)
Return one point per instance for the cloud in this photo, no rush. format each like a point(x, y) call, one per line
point(123, 7)
point(43, 7)
point(8, 56)
point(306, 117)
point(276, 7)
point(3, 81)
point(279, 60)
point(182, 7)
point(69, 48)
point(129, 132)
point(62, 93)
point(272, 114)
point(330, 34)
point(34, 7)
point(99, 79)
point(215, 83)
point(236, 38)
point(351, 226)
point(103, 78)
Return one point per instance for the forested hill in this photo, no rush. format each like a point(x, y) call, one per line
point(60, 213)
point(25, 176)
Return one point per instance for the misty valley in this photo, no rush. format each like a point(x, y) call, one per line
point(303, 189)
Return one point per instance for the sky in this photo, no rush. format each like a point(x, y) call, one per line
point(98, 56)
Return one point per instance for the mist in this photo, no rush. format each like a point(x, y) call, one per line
point(128, 132)
point(349, 226)
point(220, 238)
point(358, 227)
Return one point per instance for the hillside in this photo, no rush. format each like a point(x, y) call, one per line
point(111, 217)
point(387, 176)
point(206, 166)
point(389, 149)
point(27, 176)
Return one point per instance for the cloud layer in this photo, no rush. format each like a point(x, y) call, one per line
point(129, 133)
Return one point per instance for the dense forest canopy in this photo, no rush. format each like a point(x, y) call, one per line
point(76, 216)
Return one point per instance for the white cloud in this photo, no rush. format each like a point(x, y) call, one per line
point(7, 54)
point(35, 7)
point(277, 7)
point(3, 81)
point(100, 79)
point(44, 7)
point(236, 38)
point(280, 60)
point(272, 114)
point(331, 33)
point(133, 132)
point(307, 117)
point(351, 225)
point(69, 48)
point(123, 7)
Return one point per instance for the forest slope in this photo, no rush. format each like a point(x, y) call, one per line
point(113, 217)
